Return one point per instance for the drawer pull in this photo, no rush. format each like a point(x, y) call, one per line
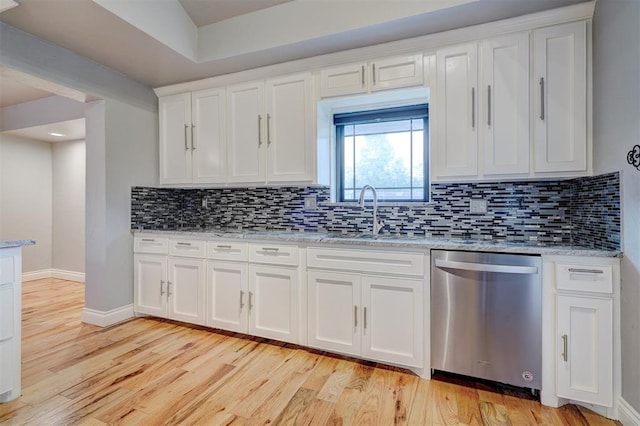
point(364, 317)
point(161, 289)
point(183, 244)
point(225, 247)
point(148, 240)
point(241, 299)
point(250, 305)
point(169, 289)
point(355, 315)
point(586, 271)
point(271, 249)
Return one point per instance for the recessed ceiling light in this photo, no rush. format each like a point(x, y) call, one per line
point(56, 134)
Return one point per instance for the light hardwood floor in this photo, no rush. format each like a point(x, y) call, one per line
point(151, 372)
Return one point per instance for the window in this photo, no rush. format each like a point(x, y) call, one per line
point(386, 148)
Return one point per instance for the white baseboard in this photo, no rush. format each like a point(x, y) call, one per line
point(628, 416)
point(68, 275)
point(54, 273)
point(36, 275)
point(107, 318)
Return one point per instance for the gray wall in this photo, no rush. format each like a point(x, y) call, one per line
point(122, 151)
point(25, 198)
point(616, 124)
point(68, 205)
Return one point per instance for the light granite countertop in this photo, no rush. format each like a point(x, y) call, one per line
point(387, 241)
point(16, 243)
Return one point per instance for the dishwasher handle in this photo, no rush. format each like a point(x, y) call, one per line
point(486, 267)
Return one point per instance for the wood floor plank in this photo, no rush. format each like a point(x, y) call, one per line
point(151, 371)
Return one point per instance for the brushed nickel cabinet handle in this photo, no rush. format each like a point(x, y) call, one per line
point(223, 246)
point(362, 75)
point(586, 271)
point(193, 140)
point(271, 249)
point(259, 130)
point(147, 240)
point(565, 355)
point(250, 304)
point(373, 73)
point(169, 289)
point(355, 315)
point(489, 105)
point(364, 317)
point(268, 129)
point(186, 143)
point(180, 243)
point(241, 298)
point(541, 98)
point(473, 107)
point(161, 288)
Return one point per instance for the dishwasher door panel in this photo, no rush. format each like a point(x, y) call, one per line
point(487, 324)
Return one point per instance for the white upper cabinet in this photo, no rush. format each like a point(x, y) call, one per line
point(362, 77)
point(175, 138)
point(192, 137)
point(455, 143)
point(246, 139)
point(560, 92)
point(344, 80)
point(270, 138)
point(290, 129)
point(505, 91)
point(208, 146)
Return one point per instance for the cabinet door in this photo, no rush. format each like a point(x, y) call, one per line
point(7, 366)
point(397, 72)
point(227, 286)
point(505, 91)
point(584, 348)
point(246, 133)
point(208, 127)
point(185, 290)
point(560, 91)
point(290, 132)
point(344, 80)
point(150, 284)
point(334, 312)
point(175, 138)
point(273, 293)
point(456, 135)
point(7, 313)
point(392, 320)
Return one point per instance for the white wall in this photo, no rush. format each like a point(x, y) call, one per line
point(616, 124)
point(25, 198)
point(69, 205)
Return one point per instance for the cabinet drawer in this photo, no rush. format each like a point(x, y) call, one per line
point(273, 254)
point(367, 261)
point(588, 278)
point(150, 244)
point(223, 250)
point(187, 248)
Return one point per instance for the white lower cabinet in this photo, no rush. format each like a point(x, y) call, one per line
point(273, 293)
point(584, 351)
point(227, 292)
point(353, 312)
point(170, 287)
point(378, 318)
point(584, 369)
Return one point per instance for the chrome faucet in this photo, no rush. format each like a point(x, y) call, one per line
point(377, 223)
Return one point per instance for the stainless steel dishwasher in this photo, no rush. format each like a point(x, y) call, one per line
point(486, 316)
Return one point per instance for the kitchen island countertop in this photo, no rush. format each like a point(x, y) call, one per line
point(387, 241)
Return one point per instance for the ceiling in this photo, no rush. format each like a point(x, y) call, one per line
point(205, 12)
point(71, 130)
point(13, 92)
point(163, 42)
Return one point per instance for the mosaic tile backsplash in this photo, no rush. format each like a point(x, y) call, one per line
point(584, 211)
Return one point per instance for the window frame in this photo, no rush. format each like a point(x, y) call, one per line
point(409, 112)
